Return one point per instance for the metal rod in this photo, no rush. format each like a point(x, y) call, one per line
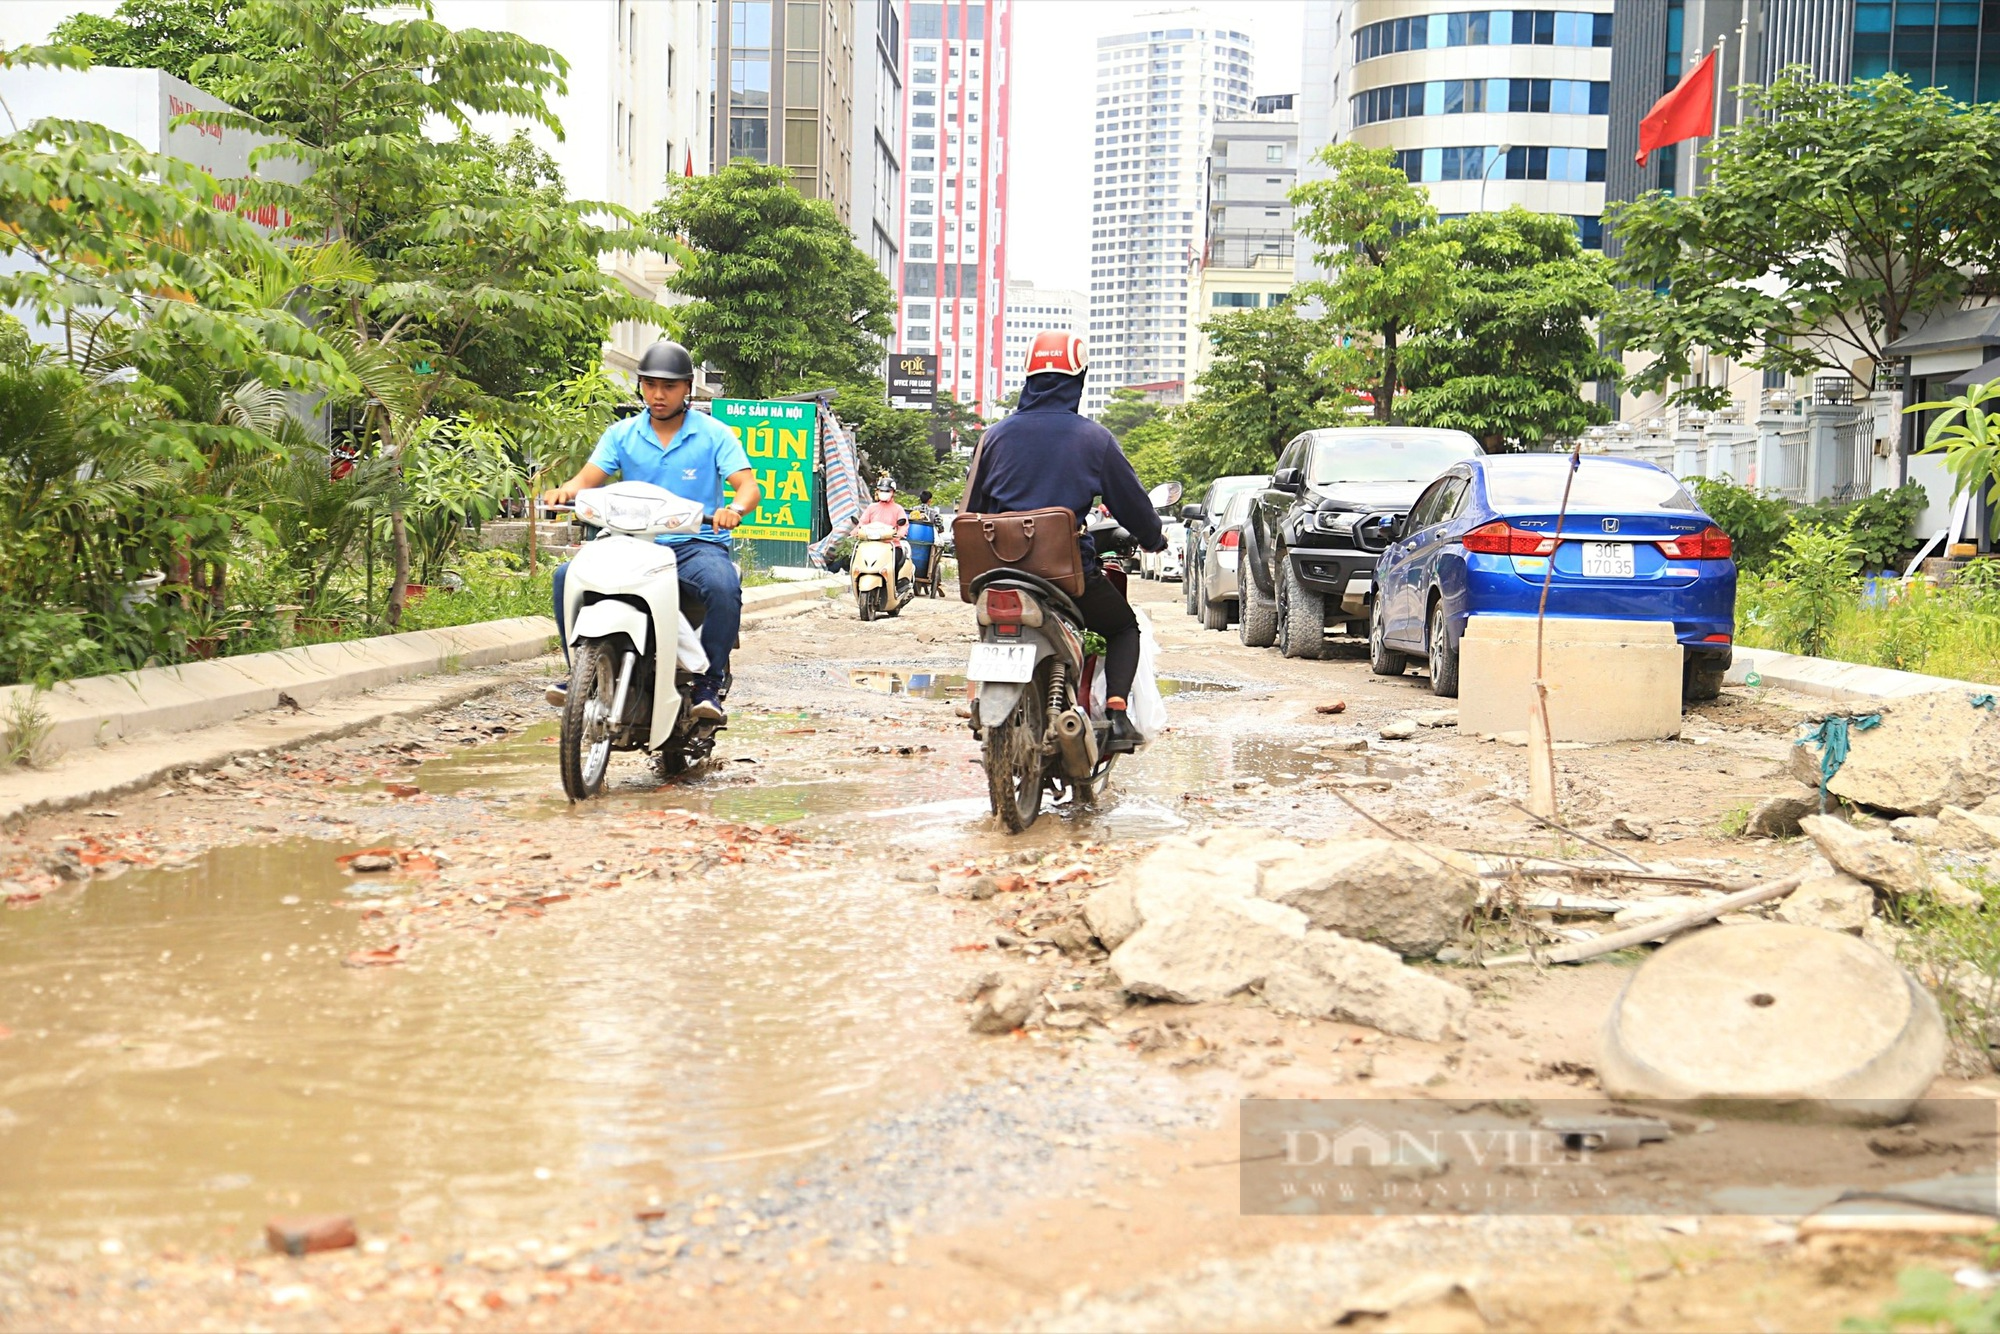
point(1645, 931)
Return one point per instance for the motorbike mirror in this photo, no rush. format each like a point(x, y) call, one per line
point(1165, 496)
point(1190, 513)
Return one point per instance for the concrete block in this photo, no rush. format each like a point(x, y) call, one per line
point(1607, 680)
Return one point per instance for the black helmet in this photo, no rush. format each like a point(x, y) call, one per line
point(666, 360)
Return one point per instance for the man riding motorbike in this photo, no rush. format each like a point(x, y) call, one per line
point(1046, 454)
point(692, 455)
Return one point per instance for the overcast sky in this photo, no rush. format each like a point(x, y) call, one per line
point(1054, 96)
point(1055, 65)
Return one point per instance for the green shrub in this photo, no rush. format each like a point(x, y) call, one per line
point(1756, 523)
point(1812, 582)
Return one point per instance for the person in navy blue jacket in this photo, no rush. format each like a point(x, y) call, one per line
point(1047, 454)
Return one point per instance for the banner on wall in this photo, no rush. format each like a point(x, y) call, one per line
point(780, 437)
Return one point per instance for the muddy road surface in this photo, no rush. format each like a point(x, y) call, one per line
point(697, 1056)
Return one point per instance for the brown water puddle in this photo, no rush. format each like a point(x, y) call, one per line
point(188, 1054)
point(929, 683)
point(930, 803)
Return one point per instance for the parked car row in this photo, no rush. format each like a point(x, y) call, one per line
point(1402, 535)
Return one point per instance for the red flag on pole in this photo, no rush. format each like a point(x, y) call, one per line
point(1688, 112)
point(690, 166)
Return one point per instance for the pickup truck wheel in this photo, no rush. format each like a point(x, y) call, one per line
point(1382, 660)
point(1301, 614)
point(1257, 614)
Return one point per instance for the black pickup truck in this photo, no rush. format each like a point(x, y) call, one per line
point(1310, 544)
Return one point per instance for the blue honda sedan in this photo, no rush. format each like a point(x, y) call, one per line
point(1478, 542)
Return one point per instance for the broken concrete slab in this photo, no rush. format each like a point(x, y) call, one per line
point(1398, 729)
point(1835, 902)
point(1961, 828)
point(1776, 1014)
point(1778, 816)
point(1111, 913)
point(1197, 944)
point(1409, 897)
point(1630, 827)
point(1868, 855)
point(1928, 751)
point(1921, 830)
point(1367, 984)
point(1008, 1003)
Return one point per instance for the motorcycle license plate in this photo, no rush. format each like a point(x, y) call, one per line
point(1001, 662)
point(1607, 560)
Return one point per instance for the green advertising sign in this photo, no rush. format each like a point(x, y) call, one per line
point(779, 438)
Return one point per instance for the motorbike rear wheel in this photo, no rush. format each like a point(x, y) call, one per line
point(1012, 753)
point(585, 745)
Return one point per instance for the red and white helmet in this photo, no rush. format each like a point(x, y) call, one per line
point(1056, 353)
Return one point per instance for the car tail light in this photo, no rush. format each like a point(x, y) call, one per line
point(1711, 543)
point(1229, 539)
point(1501, 538)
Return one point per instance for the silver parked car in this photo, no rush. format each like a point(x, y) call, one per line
point(1201, 520)
point(1215, 587)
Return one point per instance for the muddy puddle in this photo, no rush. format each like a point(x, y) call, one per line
point(189, 1056)
point(926, 795)
point(927, 683)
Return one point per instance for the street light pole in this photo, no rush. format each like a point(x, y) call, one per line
point(1486, 177)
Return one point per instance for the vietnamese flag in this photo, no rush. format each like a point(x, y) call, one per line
point(1688, 112)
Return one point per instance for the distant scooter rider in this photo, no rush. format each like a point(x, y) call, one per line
point(887, 510)
point(692, 455)
point(1045, 454)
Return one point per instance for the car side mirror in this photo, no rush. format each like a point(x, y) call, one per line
point(1190, 514)
point(1289, 479)
point(1398, 526)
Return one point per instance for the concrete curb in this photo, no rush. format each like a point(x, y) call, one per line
point(1841, 682)
point(95, 710)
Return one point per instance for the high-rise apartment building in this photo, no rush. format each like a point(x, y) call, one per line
point(635, 113)
point(1486, 108)
point(1246, 254)
point(1031, 310)
point(952, 287)
point(784, 90)
point(1160, 90)
point(878, 133)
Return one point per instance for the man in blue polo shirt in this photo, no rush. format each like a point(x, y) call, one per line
point(692, 455)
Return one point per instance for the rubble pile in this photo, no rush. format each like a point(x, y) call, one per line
point(1927, 752)
point(1318, 928)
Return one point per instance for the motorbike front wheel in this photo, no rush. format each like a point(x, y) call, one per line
point(586, 721)
point(871, 603)
point(1013, 759)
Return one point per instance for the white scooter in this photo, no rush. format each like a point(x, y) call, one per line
point(634, 648)
point(881, 571)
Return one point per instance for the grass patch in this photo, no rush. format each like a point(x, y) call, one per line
point(1734, 821)
point(1929, 1299)
point(1955, 952)
point(28, 726)
point(1952, 631)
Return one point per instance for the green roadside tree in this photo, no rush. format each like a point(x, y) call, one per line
point(1275, 372)
point(1152, 447)
point(1834, 216)
point(170, 35)
point(444, 259)
point(782, 300)
point(1128, 409)
point(891, 440)
point(1505, 359)
point(1389, 273)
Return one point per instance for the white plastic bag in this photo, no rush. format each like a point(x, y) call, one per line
point(689, 652)
point(1144, 706)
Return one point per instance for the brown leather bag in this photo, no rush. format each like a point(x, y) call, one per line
point(1041, 542)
